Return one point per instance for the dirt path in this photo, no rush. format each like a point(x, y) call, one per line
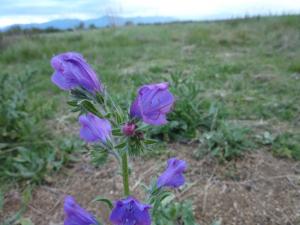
point(256, 190)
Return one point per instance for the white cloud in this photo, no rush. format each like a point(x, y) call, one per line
point(204, 8)
point(32, 11)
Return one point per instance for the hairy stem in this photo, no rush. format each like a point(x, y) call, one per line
point(125, 173)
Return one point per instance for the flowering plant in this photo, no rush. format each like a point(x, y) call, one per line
point(119, 134)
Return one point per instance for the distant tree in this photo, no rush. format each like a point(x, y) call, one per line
point(92, 26)
point(15, 29)
point(32, 31)
point(2, 43)
point(51, 30)
point(80, 26)
point(128, 23)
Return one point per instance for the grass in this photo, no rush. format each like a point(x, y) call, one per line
point(244, 70)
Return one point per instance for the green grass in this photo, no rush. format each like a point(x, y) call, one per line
point(239, 70)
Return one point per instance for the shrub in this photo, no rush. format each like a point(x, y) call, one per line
point(226, 142)
point(26, 147)
point(287, 145)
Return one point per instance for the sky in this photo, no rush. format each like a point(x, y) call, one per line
point(38, 11)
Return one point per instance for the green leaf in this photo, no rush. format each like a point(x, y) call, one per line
point(75, 110)
point(150, 141)
point(158, 199)
point(99, 157)
point(89, 106)
point(27, 195)
point(78, 94)
point(105, 200)
point(1, 200)
point(25, 221)
point(99, 98)
point(3, 145)
point(72, 103)
point(117, 132)
point(121, 145)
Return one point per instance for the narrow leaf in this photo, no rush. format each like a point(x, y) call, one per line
point(87, 105)
point(117, 132)
point(150, 141)
point(72, 103)
point(121, 145)
point(105, 200)
point(1, 200)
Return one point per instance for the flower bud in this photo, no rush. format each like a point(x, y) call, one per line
point(72, 71)
point(129, 129)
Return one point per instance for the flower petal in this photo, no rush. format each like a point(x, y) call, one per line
point(152, 104)
point(173, 175)
point(75, 72)
point(130, 211)
point(75, 215)
point(62, 82)
point(94, 129)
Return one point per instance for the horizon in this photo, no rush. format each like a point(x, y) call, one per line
point(20, 12)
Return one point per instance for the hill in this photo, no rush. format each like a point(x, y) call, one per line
point(104, 21)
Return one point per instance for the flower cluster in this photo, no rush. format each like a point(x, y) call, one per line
point(151, 106)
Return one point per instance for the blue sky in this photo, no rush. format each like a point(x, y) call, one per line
point(37, 11)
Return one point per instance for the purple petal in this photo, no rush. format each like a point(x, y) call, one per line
point(61, 81)
point(73, 71)
point(75, 215)
point(134, 109)
point(152, 104)
point(155, 119)
point(130, 211)
point(173, 175)
point(94, 129)
point(116, 216)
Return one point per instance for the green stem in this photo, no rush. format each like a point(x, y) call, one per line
point(125, 173)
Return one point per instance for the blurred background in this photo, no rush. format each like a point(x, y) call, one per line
point(234, 67)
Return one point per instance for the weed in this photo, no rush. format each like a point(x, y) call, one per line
point(287, 145)
point(175, 213)
point(27, 149)
point(226, 142)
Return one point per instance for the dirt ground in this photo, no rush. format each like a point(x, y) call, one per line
point(256, 190)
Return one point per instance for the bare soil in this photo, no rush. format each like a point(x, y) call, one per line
point(255, 190)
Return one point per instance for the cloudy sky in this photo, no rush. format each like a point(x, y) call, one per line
point(33, 11)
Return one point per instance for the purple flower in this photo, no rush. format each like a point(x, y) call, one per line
point(94, 129)
point(173, 175)
point(129, 129)
point(72, 71)
point(75, 215)
point(152, 104)
point(130, 211)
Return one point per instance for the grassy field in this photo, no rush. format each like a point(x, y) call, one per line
point(237, 85)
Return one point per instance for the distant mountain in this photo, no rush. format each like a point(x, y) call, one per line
point(99, 22)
